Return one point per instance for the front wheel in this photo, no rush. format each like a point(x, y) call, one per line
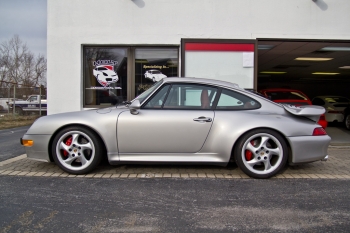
point(261, 153)
point(347, 122)
point(77, 150)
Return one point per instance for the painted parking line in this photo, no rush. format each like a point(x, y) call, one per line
point(337, 167)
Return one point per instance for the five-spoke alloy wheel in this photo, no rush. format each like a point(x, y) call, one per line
point(261, 153)
point(77, 150)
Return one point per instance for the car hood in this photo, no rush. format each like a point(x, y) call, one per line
point(100, 119)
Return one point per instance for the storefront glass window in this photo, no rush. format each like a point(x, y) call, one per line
point(154, 64)
point(105, 76)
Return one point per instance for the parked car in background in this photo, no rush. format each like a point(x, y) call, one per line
point(291, 96)
point(334, 106)
point(154, 75)
point(183, 120)
point(347, 117)
point(288, 96)
point(34, 104)
point(4, 103)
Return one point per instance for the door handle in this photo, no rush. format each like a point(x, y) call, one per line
point(203, 119)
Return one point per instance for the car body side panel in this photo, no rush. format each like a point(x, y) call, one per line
point(200, 158)
point(224, 133)
point(105, 125)
point(163, 131)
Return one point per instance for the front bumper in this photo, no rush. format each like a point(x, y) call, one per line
point(40, 148)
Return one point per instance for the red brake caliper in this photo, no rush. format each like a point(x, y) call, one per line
point(248, 153)
point(68, 143)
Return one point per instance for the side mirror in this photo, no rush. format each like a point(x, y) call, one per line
point(134, 106)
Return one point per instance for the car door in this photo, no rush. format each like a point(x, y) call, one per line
point(176, 119)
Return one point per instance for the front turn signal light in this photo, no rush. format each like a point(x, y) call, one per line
point(25, 142)
point(319, 131)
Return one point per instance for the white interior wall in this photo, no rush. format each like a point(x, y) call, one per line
point(126, 22)
point(224, 66)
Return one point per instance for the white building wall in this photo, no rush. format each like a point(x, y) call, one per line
point(125, 22)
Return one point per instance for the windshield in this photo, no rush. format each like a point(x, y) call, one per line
point(146, 93)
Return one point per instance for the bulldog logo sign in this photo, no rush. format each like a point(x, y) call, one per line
point(104, 72)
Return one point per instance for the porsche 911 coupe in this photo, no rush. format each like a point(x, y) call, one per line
point(183, 121)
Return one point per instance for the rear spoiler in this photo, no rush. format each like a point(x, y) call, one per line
point(312, 112)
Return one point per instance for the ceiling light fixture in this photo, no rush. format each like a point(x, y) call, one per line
point(313, 58)
point(335, 49)
point(325, 73)
point(272, 72)
point(344, 67)
point(265, 46)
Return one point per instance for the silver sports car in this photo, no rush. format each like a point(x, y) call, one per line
point(183, 120)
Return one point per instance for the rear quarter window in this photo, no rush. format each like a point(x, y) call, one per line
point(231, 100)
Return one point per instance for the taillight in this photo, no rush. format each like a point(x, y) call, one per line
point(319, 132)
point(322, 117)
point(335, 112)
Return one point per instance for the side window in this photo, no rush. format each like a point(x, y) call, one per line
point(189, 96)
point(158, 99)
point(33, 98)
point(235, 101)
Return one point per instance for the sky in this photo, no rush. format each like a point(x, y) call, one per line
point(27, 19)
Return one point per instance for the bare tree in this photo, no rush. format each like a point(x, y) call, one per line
point(18, 66)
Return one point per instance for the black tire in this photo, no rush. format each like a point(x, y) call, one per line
point(347, 122)
point(261, 153)
point(77, 150)
point(19, 111)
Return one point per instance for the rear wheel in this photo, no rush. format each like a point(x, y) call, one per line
point(18, 110)
point(261, 153)
point(347, 121)
point(77, 150)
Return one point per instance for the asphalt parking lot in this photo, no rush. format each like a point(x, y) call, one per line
point(337, 167)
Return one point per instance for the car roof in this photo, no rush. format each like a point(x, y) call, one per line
point(201, 81)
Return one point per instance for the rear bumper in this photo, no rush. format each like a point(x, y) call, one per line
point(307, 149)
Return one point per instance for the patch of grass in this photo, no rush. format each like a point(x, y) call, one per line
point(8, 121)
